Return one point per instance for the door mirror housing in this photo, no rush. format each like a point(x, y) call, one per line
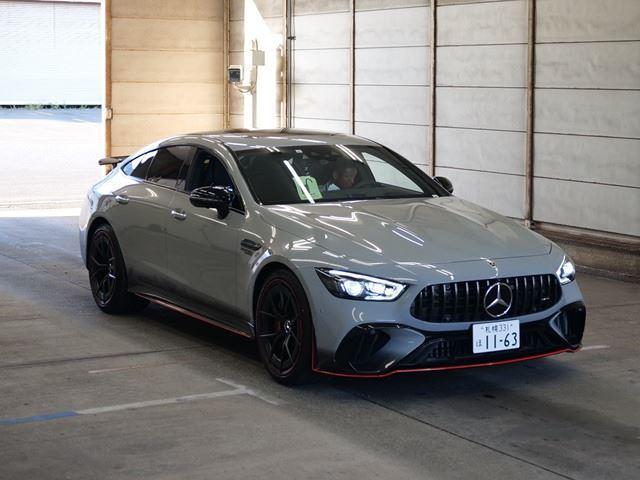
point(445, 183)
point(219, 198)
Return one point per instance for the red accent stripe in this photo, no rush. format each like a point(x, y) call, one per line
point(435, 369)
point(191, 314)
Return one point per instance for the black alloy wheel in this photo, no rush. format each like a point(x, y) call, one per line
point(107, 274)
point(283, 328)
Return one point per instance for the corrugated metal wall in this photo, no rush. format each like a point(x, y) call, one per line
point(586, 123)
point(587, 97)
point(166, 70)
point(50, 53)
point(587, 142)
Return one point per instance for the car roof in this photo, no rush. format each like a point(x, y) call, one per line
point(245, 139)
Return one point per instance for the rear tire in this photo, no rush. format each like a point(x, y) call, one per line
point(108, 274)
point(284, 328)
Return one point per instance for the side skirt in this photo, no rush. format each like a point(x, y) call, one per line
point(194, 315)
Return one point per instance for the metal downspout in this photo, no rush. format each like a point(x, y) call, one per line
point(531, 79)
point(433, 23)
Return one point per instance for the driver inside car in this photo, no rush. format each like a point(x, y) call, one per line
point(343, 177)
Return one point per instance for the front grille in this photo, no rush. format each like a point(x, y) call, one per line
point(464, 301)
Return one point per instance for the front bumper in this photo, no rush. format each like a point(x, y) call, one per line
point(380, 349)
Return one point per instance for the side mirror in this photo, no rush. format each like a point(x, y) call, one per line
point(445, 183)
point(212, 197)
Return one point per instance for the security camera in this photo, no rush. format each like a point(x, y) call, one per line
point(234, 73)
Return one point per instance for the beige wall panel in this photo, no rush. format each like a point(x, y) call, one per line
point(160, 34)
point(587, 20)
point(140, 130)
point(392, 66)
point(486, 150)
point(388, 4)
point(237, 40)
point(410, 141)
point(150, 66)
point(393, 27)
point(304, 7)
point(588, 112)
point(322, 31)
point(266, 8)
point(166, 98)
point(117, 151)
point(598, 207)
point(322, 66)
point(489, 108)
point(483, 23)
point(236, 101)
point(174, 9)
point(236, 121)
point(321, 101)
point(590, 159)
point(341, 126)
point(490, 66)
point(392, 104)
point(498, 192)
point(588, 65)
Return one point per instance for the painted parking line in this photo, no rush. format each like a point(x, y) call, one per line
point(237, 390)
point(39, 213)
point(595, 347)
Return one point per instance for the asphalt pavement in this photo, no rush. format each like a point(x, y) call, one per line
point(160, 396)
point(48, 157)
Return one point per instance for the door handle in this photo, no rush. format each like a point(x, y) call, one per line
point(179, 214)
point(122, 199)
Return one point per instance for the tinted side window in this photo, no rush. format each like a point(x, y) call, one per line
point(167, 165)
point(138, 167)
point(209, 171)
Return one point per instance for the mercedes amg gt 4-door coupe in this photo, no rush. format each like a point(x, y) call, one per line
point(333, 252)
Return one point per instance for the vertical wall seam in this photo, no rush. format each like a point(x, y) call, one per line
point(289, 64)
point(225, 55)
point(285, 65)
point(433, 21)
point(529, 145)
point(107, 111)
point(352, 70)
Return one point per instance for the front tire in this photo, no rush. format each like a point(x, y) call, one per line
point(108, 275)
point(284, 328)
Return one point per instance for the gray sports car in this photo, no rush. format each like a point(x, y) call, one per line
point(335, 253)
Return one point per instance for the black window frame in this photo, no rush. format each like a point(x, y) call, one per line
point(191, 173)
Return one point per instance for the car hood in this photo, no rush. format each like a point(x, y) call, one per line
point(427, 231)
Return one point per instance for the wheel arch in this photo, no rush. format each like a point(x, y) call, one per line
point(262, 276)
point(95, 223)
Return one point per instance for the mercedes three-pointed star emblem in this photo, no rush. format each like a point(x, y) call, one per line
point(497, 300)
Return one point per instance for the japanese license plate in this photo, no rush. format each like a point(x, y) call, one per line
point(496, 336)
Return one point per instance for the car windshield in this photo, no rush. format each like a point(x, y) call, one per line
point(330, 173)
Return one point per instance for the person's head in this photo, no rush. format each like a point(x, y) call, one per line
point(344, 175)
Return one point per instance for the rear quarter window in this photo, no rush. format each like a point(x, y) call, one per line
point(139, 166)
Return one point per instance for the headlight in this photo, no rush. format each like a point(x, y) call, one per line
point(359, 287)
point(567, 271)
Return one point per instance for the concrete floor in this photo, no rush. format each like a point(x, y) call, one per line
point(62, 362)
point(52, 155)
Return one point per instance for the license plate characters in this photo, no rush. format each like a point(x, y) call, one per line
point(496, 336)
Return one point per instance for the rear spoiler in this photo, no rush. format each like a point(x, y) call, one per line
point(113, 161)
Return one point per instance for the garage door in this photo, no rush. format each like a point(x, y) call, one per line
point(51, 53)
